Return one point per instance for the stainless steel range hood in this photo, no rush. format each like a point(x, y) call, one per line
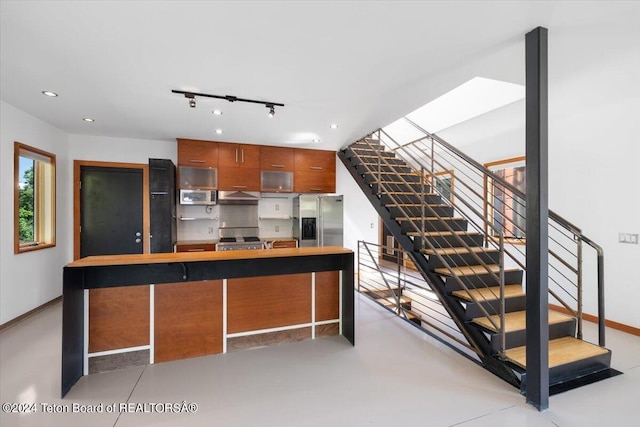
point(238, 198)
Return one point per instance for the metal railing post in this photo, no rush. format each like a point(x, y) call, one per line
point(579, 299)
point(601, 318)
point(358, 254)
point(503, 332)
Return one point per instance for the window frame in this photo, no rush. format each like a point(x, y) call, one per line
point(489, 192)
point(44, 203)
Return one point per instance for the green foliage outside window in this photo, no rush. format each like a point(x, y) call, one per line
point(26, 213)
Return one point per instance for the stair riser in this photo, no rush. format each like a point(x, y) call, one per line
point(389, 170)
point(463, 260)
point(437, 225)
point(473, 309)
point(388, 175)
point(571, 371)
point(432, 199)
point(402, 187)
point(510, 277)
point(366, 156)
point(451, 241)
point(416, 211)
point(518, 338)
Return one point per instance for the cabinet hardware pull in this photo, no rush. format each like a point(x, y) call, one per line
point(242, 155)
point(315, 189)
point(196, 161)
point(239, 186)
point(277, 166)
point(195, 250)
point(236, 155)
point(316, 168)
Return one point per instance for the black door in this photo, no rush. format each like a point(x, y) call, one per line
point(110, 211)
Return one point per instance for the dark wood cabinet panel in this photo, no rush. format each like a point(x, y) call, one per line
point(188, 320)
point(242, 179)
point(283, 244)
point(315, 160)
point(197, 153)
point(238, 155)
point(268, 302)
point(199, 247)
point(276, 158)
point(118, 318)
point(327, 295)
point(314, 182)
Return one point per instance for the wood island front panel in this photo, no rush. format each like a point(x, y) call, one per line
point(188, 320)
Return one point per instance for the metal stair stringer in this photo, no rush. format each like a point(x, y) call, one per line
point(475, 337)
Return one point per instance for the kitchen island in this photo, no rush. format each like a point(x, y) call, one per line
point(120, 310)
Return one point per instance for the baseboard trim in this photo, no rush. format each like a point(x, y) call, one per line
point(29, 313)
point(594, 319)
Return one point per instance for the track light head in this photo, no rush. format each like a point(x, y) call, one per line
point(272, 110)
point(192, 99)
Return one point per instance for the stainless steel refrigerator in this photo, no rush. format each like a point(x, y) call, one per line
point(318, 220)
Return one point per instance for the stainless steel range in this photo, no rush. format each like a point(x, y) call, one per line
point(238, 221)
point(239, 243)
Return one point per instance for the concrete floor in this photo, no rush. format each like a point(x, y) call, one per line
point(395, 375)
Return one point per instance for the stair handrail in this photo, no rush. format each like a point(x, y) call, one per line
point(566, 224)
point(499, 326)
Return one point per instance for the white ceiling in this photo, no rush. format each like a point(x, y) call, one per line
point(360, 64)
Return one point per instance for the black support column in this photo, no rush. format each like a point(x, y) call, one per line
point(537, 387)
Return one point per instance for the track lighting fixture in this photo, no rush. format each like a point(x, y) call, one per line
point(192, 100)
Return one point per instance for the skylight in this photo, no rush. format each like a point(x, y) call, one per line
point(471, 99)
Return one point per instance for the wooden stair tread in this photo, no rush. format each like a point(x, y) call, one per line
point(472, 270)
point(457, 250)
point(517, 320)
point(391, 301)
point(561, 352)
point(417, 205)
point(428, 218)
point(441, 233)
point(490, 294)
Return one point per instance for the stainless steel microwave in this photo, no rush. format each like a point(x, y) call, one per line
point(198, 197)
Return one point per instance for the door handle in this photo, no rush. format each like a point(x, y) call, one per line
point(138, 240)
point(138, 234)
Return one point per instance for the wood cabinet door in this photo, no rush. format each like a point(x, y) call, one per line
point(192, 152)
point(239, 179)
point(196, 247)
point(314, 182)
point(276, 158)
point(315, 160)
point(239, 155)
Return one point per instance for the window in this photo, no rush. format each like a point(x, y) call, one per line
point(34, 198)
point(445, 184)
point(507, 211)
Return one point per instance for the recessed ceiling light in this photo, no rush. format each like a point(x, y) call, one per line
point(49, 93)
point(333, 126)
point(218, 131)
point(217, 112)
point(316, 139)
point(88, 119)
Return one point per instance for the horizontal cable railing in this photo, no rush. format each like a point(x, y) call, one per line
point(383, 276)
point(495, 208)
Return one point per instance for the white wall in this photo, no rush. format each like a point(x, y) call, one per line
point(361, 221)
point(594, 105)
point(31, 279)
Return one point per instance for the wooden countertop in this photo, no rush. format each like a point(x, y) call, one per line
point(104, 260)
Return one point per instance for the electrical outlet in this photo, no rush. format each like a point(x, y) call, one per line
point(628, 238)
point(277, 227)
point(371, 225)
point(277, 207)
point(210, 230)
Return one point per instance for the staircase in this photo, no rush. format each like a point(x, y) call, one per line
point(475, 272)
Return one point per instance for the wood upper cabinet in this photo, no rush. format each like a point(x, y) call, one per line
point(314, 171)
point(276, 158)
point(238, 155)
point(197, 153)
point(315, 160)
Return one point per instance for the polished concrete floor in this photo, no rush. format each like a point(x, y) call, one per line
point(395, 375)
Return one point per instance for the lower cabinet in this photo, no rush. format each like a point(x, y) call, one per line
point(188, 318)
